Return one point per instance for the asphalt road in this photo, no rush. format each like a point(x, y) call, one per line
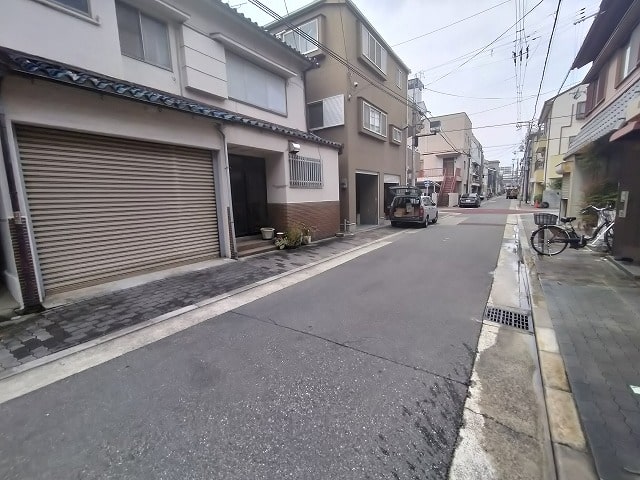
point(359, 372)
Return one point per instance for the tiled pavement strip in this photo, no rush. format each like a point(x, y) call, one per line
point(69, 325)
point(595, 312)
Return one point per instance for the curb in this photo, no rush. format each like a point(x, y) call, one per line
point(572, 457)
point(53, 357)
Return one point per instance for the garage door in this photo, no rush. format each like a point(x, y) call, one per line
point(105, 208)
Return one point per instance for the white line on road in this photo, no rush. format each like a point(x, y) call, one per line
point(77, 359)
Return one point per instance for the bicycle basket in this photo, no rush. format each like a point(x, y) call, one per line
point(545, 218)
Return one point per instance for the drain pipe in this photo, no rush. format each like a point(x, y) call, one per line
point(19, 233)
point(227, 182)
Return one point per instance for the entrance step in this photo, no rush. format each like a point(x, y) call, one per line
point(253, 245)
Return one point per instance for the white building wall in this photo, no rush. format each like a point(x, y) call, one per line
point(198, 70)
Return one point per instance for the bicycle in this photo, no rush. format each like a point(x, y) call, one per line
point(551, 239)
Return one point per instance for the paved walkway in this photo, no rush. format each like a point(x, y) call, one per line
point(69, 325)
point(595, 311)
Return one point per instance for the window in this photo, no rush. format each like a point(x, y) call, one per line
point(396, 135)
point(328, 112)
point(142, 37)
point(373, 50)
point(624, 63)
point(374, 120)
point(571, 139)
point(596, 90)
point(249, 83)
point(295, 40)
point(78, 5)
point(304, 172)
point(399, 78)
point(581, 110)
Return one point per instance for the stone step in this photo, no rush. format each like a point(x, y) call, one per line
point(266, 246)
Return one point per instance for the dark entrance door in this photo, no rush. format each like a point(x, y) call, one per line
point(248, 193)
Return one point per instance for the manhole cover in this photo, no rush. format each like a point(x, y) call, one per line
point(509, 316)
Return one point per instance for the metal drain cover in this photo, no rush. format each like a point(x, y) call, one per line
point(511, 317)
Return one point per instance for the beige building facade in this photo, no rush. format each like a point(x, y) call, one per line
point(357, 97)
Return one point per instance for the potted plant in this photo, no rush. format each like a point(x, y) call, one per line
point(267, 233)
point(306, 233)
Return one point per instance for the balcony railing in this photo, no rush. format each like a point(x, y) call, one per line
point(439, 173)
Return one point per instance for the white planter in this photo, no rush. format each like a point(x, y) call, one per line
point(267, 233)
point(306, 239)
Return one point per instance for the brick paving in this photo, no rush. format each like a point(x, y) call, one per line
point(595, 311)
point(69, 325)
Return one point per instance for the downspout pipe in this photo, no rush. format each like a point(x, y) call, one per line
point(227, 183)
point(29, 288)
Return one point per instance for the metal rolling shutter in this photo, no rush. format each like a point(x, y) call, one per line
point(566, 181)
point(105, 208)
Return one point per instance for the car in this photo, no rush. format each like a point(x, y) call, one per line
point(469, 200)
point(410, 206)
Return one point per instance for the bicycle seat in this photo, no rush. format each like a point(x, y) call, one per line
point(567, 219)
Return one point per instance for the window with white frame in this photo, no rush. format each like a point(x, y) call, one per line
point(625, 63)
point(328, 112)
point(396, 135)
point(81, 6)
point(143, 37)
point(305, 172)
point(374, 120)
point(399, 78)
point(249, 83)
point(373, 50)
point(300, 42)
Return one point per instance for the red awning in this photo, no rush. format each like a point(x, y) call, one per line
point(626, 130)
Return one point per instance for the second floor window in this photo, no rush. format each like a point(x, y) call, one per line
point(143, 37)
point(373, 50)
point(374, 120)
point(300, 42)
point(251, 84)
point(78, 5)
point(596, 90)
point(581, 110)
point(625, 63)
point(399, 78)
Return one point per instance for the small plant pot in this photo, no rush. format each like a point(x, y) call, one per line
point(306, 240)
point(267, 233)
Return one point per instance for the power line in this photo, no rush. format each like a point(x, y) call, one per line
point(488, 45)
point(450, 25)
point(350, 67)
point(546, 60)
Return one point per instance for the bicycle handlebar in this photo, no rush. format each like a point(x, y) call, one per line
point(608, 207)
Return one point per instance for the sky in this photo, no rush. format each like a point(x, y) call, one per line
point(489, 87)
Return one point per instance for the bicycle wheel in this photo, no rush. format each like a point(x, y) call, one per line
point(608, 238)
point(549, 240)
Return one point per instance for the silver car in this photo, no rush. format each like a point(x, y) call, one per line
point(409, 206)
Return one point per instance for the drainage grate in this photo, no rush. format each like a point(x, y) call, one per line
point(511, 317)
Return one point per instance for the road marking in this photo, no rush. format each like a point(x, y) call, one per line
point(83, 357)
point(635, 389)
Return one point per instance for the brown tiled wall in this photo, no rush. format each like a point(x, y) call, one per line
point(26, 273)
point(325, 216)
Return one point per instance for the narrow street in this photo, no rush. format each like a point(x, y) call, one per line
point(359, 372)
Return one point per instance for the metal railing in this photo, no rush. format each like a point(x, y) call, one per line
point(305, 172)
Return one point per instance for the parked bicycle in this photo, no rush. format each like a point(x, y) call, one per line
point(551, 239)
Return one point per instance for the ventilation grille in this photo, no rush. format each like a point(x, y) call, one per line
point(511, 317)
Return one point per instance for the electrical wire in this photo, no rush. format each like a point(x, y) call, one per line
point(488, 45)
point(350, 67)
point(450, 25)
point(546, 60)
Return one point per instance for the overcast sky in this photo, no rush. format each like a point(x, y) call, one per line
point(487, 86)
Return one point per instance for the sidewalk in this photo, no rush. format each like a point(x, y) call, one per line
point(595, 312)
point(73, 324)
